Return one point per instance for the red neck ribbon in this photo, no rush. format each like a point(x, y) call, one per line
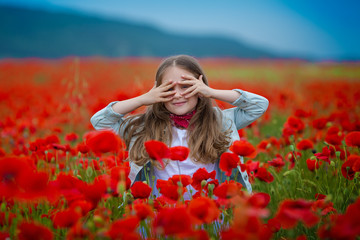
point(182, 121)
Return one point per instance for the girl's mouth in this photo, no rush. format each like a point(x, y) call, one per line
point(179, 103)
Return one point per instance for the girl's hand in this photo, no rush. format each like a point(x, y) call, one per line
point(161, 93)
point(196, 86)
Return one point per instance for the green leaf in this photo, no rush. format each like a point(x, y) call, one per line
point(89, 171)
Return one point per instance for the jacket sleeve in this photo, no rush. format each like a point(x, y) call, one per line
point(249, 107)
point(107, 118)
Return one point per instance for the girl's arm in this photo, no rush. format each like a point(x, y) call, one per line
point(249, 106)
point(224, 95)
point(156, 94)
point(197, 86)
point(112, 115)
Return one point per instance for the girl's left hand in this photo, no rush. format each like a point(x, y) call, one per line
point(196, 86)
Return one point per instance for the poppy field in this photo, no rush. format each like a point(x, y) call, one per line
point(61, 179)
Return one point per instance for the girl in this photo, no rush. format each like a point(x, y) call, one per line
point(180, 113)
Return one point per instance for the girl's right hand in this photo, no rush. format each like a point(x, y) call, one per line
point(162, 93)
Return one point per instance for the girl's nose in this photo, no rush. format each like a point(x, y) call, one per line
point(177, 93)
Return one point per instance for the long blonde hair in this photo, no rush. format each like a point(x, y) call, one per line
point(206, 140)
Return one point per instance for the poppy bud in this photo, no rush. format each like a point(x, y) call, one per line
point(89, 171)
point(3, 207)
point(98, 219)
point(211, 187)
point(292, 148)
point(203, 183)
point(90, 224)
point(121, 187)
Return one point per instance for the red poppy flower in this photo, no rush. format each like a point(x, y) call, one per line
point(343, 226)
point(231, 233)
point(338, 148)
point(2, 152)
point(228, 190)
point(312, 164)
point(301, 113)
point(319, 196)
point(124, 228)
point(172, 221)
point(291, 158)
point(65, 148)
point(120, 172)
point(352, 139)
point(6, 220)
point(203, 210)
point(81, 206)
point(35, 185)
point(228, 161)
point(185, 180)
point(324, 206)
point(200, 175)
point(305, 144)
point(334, 136)
point(11, 170)
point(356, 165)
point(295, 124)
point(52, 139)
point(277, 162)
point(5, 235)
point(66, 182)
point(324, 155)
point(252, 166)
point(80, 231)
point(243, 148)
point(292, 211)
point(83, 148)
point(263, 145)
point(143, 211)
point(259, 200)
point(347, 168)
point(263, 175)
point(140, 190)
point(169, 189)
point(319, 123)
point(32, 230)
point(102, 141)
point(71, 137)
point(66, 218)
point(274, 225)
point(157, 151)
point(179, 153)
point(94, 191)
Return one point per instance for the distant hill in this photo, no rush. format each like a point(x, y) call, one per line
point(39, 33)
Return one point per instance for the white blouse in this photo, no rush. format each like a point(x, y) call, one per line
point(187, 167)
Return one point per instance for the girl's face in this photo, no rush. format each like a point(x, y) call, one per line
point(179, 105)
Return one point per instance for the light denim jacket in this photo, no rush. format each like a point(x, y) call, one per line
point(248, 108)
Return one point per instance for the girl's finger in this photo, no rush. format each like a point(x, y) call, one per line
point(163, 84)
point(167, 93)
point(189, 77)
point(167, 99)
point(191, 94)
point(188, 91)
point(169, 85)
point(187, 82)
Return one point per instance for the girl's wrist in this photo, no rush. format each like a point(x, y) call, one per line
point(144, 100)
point(212, 93)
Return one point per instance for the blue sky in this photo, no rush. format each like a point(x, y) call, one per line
point(317, 28)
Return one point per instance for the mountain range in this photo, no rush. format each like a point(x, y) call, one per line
point(48, 34)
